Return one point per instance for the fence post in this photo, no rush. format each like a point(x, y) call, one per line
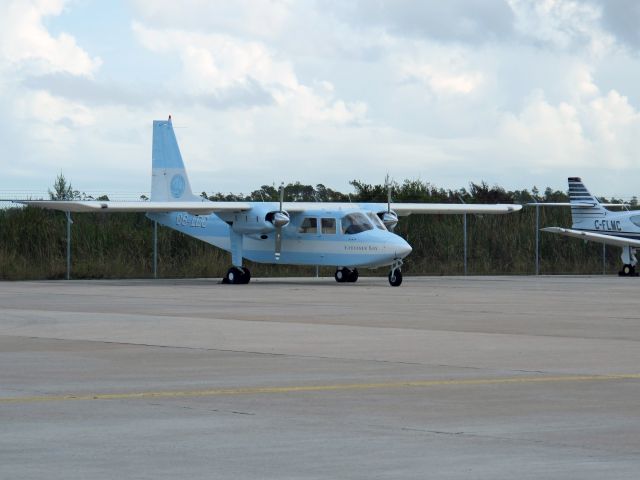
point(69, 222)
point(537, 239)
point(155, 249)
point(465, 242)
point(464, 235)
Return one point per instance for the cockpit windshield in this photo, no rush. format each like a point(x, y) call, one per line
point(355, 223)
point(375, 219)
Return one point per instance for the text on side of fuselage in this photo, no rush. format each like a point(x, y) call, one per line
point(361, 248)
point(186, 220)
point(607, 225)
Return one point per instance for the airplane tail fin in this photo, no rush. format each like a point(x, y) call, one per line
point(584, 206)
point(169, 180)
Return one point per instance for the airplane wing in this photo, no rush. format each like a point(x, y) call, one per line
point(207, 207)
point(404, 209)
point(196, 208)
point(595, 237)
point(575, 204)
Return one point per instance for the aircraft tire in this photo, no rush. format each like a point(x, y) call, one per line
point(246, 276)
point(626, 270)
point(352, 276)
point(237, 276)
point(395, 278)
point(341, 275)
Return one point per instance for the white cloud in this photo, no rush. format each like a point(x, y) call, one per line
point(545, 135)
point(562, 24)
point(441, 79)
point(213, 63)
point(26, 44)
point(592, 132)
point(260, 18)
point(266, 91)
point(36, 127)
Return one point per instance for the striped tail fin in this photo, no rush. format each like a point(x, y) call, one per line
point(584, 206)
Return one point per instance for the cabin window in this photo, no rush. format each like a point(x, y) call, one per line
point(635, 220)
point(356, 223)
point(328, 226)
point(309, 225)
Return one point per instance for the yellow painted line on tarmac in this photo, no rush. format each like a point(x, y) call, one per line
point(317, 388)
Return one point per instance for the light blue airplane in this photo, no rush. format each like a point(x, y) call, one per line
point(346, 235)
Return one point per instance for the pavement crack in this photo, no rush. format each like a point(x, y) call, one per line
point(200, 409)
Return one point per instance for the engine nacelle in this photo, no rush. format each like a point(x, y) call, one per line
point(390, 219)
point(278, 219)
point(261, 219)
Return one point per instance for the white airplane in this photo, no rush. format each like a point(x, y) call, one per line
point(346, 235)
point(593, 222)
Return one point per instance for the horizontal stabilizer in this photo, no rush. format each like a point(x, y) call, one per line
point(595, 237)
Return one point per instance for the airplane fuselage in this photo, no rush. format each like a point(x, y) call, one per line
point(620, 224)
point(315, 237)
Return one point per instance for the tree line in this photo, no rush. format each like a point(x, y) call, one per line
point(33, 241)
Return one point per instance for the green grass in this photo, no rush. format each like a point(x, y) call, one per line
point(33, 246)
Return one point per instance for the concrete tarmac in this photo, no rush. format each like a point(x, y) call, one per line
point(444, 377)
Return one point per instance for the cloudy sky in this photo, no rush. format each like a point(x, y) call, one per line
point(512, 92)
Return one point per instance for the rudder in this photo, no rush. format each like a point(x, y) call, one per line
point(584, 206)
point(169, 180)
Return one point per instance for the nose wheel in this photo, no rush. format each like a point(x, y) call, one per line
point(346, 275)
point(237, 276)
point(395, 275)
point(395, 278)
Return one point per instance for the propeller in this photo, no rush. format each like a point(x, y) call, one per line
point(389, 218)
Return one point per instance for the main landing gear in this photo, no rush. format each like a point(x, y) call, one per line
point(628, 271)
point(629, 262)
point(237, 276)
point(346, 275)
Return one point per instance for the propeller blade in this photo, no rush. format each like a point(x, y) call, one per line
point(278, 243)
point(281, 195)
point(279, 229)
point(389, 198)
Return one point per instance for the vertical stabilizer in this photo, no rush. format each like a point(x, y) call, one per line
point(584, 206)
point(169, 180)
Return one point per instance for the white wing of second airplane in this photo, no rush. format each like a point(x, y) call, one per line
point(595, 237)
point(452, 208)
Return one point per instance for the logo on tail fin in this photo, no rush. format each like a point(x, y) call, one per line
point(177, 186)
